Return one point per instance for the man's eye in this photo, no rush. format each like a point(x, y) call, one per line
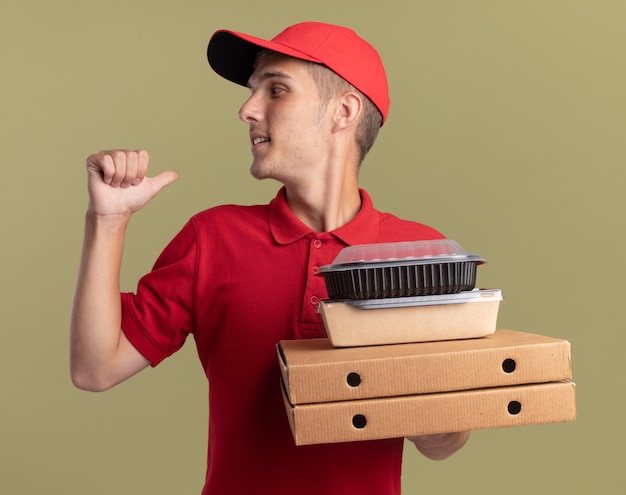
point(276, 90)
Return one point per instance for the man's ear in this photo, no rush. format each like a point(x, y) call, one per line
point(348, 110)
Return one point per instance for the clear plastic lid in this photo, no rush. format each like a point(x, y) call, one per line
point(394, 253)
point(475, 295)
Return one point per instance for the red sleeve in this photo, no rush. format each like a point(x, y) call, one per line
point(159, 317)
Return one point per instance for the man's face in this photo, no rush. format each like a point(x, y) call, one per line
point(288, 131)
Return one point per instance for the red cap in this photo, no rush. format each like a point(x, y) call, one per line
point(340, 49)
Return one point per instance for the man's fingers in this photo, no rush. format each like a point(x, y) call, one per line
point(119, 158)
point(130, 175)
point(120, 167)
point(143, 158)
point(102, 164)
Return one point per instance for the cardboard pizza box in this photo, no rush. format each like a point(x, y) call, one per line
point(315, 371)
point(370, 419)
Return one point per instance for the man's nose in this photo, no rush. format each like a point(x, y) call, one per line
point(250, 111)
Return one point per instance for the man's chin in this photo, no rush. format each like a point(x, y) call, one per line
point(259, 173)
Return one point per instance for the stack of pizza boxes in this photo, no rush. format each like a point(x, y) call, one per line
point(413, 349)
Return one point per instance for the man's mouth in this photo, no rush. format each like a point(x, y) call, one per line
point(259, 140)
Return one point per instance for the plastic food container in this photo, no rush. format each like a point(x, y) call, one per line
point(465, 315)
point(400, 269)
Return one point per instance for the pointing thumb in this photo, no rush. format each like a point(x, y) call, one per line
point(163, 179)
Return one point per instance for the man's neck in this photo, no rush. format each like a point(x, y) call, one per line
point(325, 205)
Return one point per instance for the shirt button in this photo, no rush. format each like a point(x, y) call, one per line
point(315, 300)
point(316, 269)
point(317, 243)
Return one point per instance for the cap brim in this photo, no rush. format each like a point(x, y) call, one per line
point(232, 55)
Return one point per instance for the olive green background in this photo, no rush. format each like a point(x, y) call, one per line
point(506, 132)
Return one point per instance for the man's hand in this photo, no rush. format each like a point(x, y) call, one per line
point(117, 182)
point(441, 446)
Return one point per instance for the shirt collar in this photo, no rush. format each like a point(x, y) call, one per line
point(287, 228)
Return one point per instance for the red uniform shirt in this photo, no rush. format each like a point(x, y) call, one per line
point(240, 279)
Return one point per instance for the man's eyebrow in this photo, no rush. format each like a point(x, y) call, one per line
point(259, 78)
